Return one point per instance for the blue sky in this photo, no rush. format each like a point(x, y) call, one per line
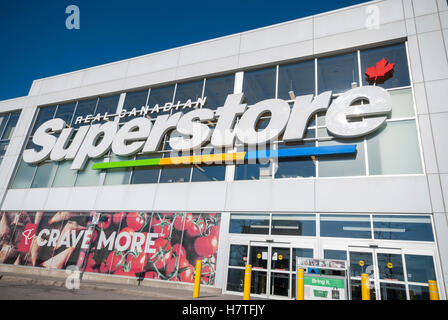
point(35, 42)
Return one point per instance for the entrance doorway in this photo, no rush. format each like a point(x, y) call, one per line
point(273, 268)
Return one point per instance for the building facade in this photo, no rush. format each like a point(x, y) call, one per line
point(381, 208)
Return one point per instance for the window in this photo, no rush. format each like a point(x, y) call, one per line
point(394, 149)
point(65, 112)
point(255, 169)
point(238, 255)
point(83, 109)
point(45, 114)
point(337, 73)
point(107, 105)
point(118, 176)
point(136, 99)
point(211, 172)
point(188, 91)
point(217, 89)
point(420, 268)
point(65, 177)
point(395, 54)
point(335, 254)
point(393, 227)
point(402, 104)
point(89, 177)
point(296, 80)
point(259, 85)
point(294, 224)
point(249, 223)
point(345, 226)
point(146, 174)
point(44, 175)
point(160, 96)
point(8, 122)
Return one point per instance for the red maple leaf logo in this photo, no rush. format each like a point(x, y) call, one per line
point(382, 70)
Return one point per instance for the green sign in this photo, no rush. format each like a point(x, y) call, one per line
point(324, 282)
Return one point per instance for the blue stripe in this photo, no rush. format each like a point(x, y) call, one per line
point(301, 152)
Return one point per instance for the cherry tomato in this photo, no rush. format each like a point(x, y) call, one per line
point(170, 266)
point(91, 263)
point(136, 220)
point(183, 222)
point(162, 253)
point(136, 263)
point(106, 221)
point(110, 263)
point(118, 217)
point(206, 246)
point(196, 228)
point(161, 226)
point(185, 271)
point(179, 250)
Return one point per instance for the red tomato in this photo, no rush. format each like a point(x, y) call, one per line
point(118, 217)
point(179, 250)
point(110, 263)
point(215, 231)
point(206, 246)
point(183, 222)
point(136, 263)
point(106, 221)
point(91, 263)
point(170, 266)
point(186, 271)
point(161, 226)
point(196, 228)
point(136, 220)
point(162, 253)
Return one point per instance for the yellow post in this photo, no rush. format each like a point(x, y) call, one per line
point(433, 291)
point(197, 279)
point(247, 278)
point(300, 284)
point(365, 286)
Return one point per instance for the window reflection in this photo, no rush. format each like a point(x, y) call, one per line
point(296, 78)
point(65, 112)
point(217, 89)
point(249, 223)
point(83, 109)
point(160, 96)
point(293, 224)
point(345, 226)
point(395, 54)
point(420, 268)
point(392, 227)
point(259, 85)
point(337, 73)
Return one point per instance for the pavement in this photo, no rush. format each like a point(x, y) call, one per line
point(15, 286)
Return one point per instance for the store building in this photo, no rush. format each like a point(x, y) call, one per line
point(382, 206)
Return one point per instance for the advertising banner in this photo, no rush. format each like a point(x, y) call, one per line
point(163, 246)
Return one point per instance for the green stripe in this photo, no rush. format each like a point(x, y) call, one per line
point(126, 164)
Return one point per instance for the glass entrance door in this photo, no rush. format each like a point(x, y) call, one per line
point(391, 273)
point(271, 269)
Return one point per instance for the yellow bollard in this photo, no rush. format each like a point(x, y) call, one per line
point(300, 284)
point(247, 278)
point(433, 291)
point(197, 279)
point(365, 286)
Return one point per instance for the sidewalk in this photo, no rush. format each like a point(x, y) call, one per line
point(154, 290)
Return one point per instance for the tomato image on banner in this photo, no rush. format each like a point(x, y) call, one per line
point(162, 246)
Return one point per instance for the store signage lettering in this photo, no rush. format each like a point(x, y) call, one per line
point(344, 119)
point(135, 241)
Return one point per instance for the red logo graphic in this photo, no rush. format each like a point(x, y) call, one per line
point(27, 237)
point(382, 71)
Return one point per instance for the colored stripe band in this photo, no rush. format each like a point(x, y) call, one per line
point(225, 157)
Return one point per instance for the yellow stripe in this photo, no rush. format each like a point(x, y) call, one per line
point(211, 158)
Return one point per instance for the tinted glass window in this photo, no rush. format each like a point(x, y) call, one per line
point(109, 105)
point(299, 166)
point(345, 226)
point(65, 177)
point(146, 174)
point(395, 54)
point(217, 89)
point(337, 73)
point(160, 96)
point(238, 255)
point(420, 268)
point(65, 112)
point(293, 224)
point(11, 125)
point(249, 223)
point(259, 85)
point(83, 109)
point(296, 78)
point(133, 100)
point(45, 114)
point(335, 254)
point(44, 175)
point(394, 227)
